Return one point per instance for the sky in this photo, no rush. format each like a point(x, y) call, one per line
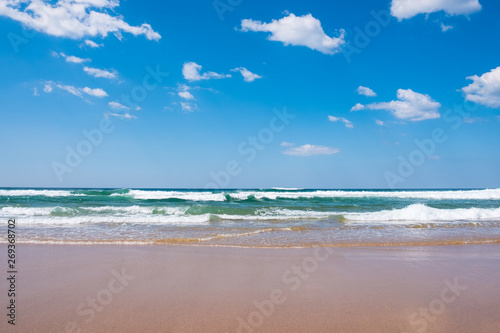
point(250, 94)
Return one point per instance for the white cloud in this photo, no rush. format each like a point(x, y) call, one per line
point(298, 31)
point(484, 89)
point(410, 105)
point(73, 18)
point(73, 59)
point(76, 60)
point(96, 72)
point(347, 123)
point(405, 9)
point(434, 157)
point(379, 122)
point(97, 92)
point(308, 150)
point(365, 91)
point(47, 87)
point(72, 90)
point(117, 106)
point(92, 44)
point(472, 120)
point(247, 75)
point(358, 107)
point(188, 106)
point(191, 72)
point(35, 91)
point(446, 27)
point(183, 91)
point(121, 115)
point(185, 95)
point(287, 144)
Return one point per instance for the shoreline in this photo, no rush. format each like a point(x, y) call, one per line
point(130, 288)
point(242, 246)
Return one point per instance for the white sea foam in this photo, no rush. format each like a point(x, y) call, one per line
point(423, 213)
point(192, 196)
point(91, 219)
point(488, 194)
point(45, 193)
point(127, 210)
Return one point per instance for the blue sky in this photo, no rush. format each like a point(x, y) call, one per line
point(358, 90)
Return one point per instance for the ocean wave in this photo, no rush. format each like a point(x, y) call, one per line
point(422, 213)
point(252, 195)
point(488, 194)
point(181, 195)
point(32, 193)
point(69, 211)
point(109, 219)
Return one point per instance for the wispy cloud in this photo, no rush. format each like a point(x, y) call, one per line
point(121, 115)
point(72, 90)
point(247, 75)
point(92, 44)
point(191, 72)
point(347, 123)
point(472, 120)
point(73, 59)
point(74, 19)
point(189, 107)
point(96, 72)
point(298, 31)
point(287, 144)
point(446, 27)
point(308, 150)
point(379, 122)
point(47, 87)
point(95, 92)
point(118, 106)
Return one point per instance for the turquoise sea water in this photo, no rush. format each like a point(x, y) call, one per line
point(259, 217)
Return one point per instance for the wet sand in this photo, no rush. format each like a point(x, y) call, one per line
point(160, 288)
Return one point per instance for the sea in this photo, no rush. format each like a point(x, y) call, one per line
point(275, 217)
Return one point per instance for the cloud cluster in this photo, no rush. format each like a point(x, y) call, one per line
point(409, 106)
point(484, 89)
point(73, 19)
point(294, 30)
point(405, 9)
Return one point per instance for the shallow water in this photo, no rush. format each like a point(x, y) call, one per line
point(264, 217)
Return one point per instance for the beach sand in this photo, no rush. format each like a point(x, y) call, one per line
point(127, 288)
